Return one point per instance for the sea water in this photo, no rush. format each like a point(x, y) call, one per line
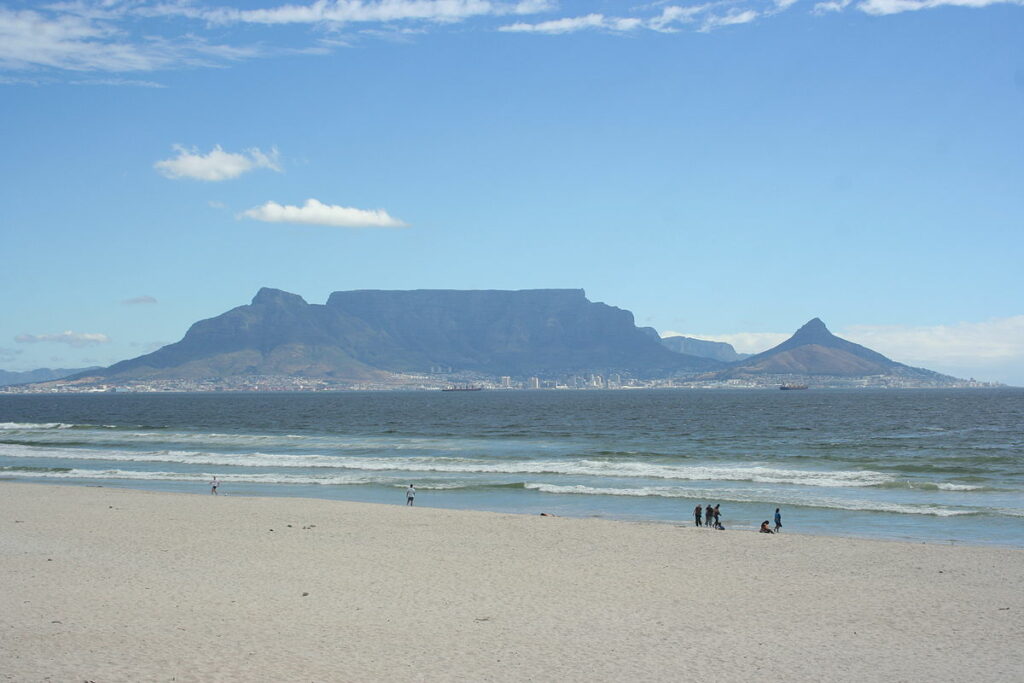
point(928, 465)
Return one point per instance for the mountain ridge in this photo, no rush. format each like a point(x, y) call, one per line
point(814, 351)
point(364, 334)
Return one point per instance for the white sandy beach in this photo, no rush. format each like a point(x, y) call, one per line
point(103, 584)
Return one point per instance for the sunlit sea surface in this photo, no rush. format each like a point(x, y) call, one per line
point(930, 465)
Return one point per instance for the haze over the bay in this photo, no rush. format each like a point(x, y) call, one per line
point(725, 171)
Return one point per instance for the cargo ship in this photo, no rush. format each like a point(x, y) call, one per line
point(792, 387)
point(464, 387)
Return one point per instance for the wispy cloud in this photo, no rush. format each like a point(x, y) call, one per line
point(730, 18)
point(135, 301)
point(667, 21)
point(128, 82)
point(359, 11)
point(70, 37)
point(76, 339)
point(132, 36)
point(704, 17)
point(885, 7)
point(564, 25)
point(217, 165)
point(314, 212)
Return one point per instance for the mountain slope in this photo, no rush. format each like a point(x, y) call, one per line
point(368, 333)
point(38, 375)
point(720, 351)
point(813, 350)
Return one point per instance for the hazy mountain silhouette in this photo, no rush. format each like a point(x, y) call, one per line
point(720, 351)
point(39, 375)
point(361, 334)
point(813, 350)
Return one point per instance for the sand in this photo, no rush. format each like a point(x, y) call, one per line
point(104, 584)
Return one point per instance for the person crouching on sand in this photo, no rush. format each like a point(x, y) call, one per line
point(410, 495)
point(764, 527)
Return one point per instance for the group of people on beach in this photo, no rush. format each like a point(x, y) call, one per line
point(710, 515)
point(702, 516)
point(778, 524)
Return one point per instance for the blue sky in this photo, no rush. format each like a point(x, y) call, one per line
point(726, 169)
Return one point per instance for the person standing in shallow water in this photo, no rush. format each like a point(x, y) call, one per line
point(214, 485)
point(410, 495)
point(778, 520)
point(709, 515)
point(696, 514)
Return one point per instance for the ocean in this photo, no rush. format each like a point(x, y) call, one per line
point(942, 466)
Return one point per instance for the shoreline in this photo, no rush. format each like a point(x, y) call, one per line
point(122, 584)
point(735, 525)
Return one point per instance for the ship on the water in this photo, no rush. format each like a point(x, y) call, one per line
point(462, 387)
point(792, 387)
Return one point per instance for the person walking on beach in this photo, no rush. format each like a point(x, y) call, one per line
point(213, 485)
point(696, 514)
point(410, 495)
point(718, 525)
point(778, 520)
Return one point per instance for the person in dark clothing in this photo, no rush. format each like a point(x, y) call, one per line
point(764, 527)
point(696, 514)
point(778, 520)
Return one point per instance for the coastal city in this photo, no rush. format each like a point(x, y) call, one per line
point(472, 382)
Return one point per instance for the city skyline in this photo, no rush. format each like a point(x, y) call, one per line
point(726, 171)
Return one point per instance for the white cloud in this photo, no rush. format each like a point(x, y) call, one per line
point(557, 26)
point(122, 36)
point(70, 37)
point(77, 339)
point(217, 165)
point(883, 7)
point(360, 11)
point(730, 19)
point(314, 212)
point(668, 21)
point(998, 339)
point(831, 6)
point(146, 299)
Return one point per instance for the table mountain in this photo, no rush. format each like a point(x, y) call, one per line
point(365, 334)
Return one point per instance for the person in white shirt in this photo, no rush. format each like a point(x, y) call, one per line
point(213, 486)
point(410, 494)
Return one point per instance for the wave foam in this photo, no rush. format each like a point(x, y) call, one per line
point(460, 465)
point(838, 504)
point(26, 426)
